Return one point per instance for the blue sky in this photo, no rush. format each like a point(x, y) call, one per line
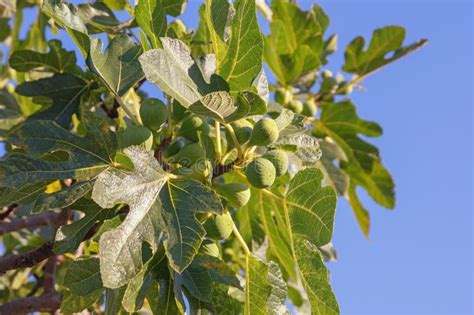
point(419, 256)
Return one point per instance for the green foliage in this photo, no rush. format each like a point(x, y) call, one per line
point(205, 198)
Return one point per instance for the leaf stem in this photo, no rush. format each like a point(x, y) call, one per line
point(234, 139)
point(238, 235)
point(217, 126)
point(169, 130)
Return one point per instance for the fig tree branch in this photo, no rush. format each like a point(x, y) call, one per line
point(49, 218)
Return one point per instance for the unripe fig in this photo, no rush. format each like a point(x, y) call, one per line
point(264, 132)
point(219, 227)
point(174, 147)
point(260, 173)
point(309, 108)
point(200, 170)
point(345, 88)
point(190, 127)
point(237, 194)
point(179, 112)
point(189, 155)
point(279, 159)
point(135, 135)
point(326, 74)
point(318, 133)
point(243, 130)
point(296, 106)
point(153, 113)
point(283, 96)
point(209, 247)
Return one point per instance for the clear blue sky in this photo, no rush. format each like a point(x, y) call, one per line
point(419, 256)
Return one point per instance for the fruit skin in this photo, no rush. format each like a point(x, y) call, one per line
point(264, 132)
point(345, 88)
point(326, 74)
point(237, 194)
point(200, 171)
point(283, 96)
point(174, 147)
point(179, 112)
point(279, 159)
point(209, 247)
point(190, 127)
point(243, 130)
point(309, 108)
point(260, 173)
point(189, 155)
point(153, 113)
point(135, 135)
point(219, 227)
point(295, 106)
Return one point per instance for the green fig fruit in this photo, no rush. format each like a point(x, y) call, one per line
point(189, 155)
point(260, 173)
point(200, 170)
point(326, 74)
point(309, 108)
point(135, 135)
point(153, 113)
point(264, 132)
point(174, 147)
point(179, 112)
point(237, 194)
point(318, 133)
point(296, 106)
point(219, 227)
point(279, 159)
point(190, 127)
point(209, 247)
point(283, 96)
point(345, 88)
point(242, 129)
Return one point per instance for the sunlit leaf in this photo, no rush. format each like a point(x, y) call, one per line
point(384, 40)
point(243, 60)
point(56, 60)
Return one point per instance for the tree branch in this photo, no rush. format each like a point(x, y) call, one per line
point(28, 259)
point(7, 211)
point(31, 258)
point(49, 218)
point(47, 302)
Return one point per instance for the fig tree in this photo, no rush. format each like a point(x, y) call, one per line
point(260, 173)
point(264, 132)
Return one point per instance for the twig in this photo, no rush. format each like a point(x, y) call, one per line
point(47, 302)
point(28, 259)
point(49, 218)
point(49, 271)
point(31, 258)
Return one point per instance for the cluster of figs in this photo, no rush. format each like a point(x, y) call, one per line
point(186, 151)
